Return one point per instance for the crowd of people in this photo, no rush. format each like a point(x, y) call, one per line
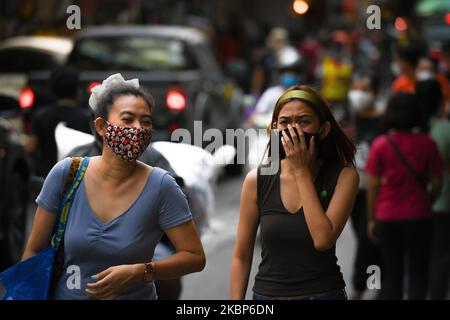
point(395, 135)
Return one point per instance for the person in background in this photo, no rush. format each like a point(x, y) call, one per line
point(41, 142)
point(290, 73)
point(265, 65)
point(336, 71)
point(430, 98)
point(404, 69)
point(427, 69)
point(400, 166)
point(440, 248)
point(368, 125)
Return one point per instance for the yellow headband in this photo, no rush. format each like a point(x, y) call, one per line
point(299, 94)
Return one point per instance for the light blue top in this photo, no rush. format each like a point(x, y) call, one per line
point(91, 246)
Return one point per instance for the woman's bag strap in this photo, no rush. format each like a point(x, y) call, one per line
point(79, 166)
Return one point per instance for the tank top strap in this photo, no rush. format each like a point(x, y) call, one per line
point(266, 186)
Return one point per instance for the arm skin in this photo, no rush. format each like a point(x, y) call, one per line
point(41, 233)
point(247, 228)
point(325, 227)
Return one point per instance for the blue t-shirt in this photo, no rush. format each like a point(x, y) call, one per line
point(91, 246)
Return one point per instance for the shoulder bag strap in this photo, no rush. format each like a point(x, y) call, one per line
point(79, 166)
point(418, 177)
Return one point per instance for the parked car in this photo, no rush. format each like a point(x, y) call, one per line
point(15, 172)
point(29, 59)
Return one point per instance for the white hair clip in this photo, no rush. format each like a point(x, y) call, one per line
point(110, 82)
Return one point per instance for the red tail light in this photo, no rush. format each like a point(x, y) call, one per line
point(173, 126)
point(92, 85)
point(175, 100)
point(26, 99)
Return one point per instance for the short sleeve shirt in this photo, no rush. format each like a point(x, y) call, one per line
point(401, 196)
point(91, 246)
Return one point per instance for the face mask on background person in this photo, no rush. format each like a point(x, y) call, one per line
point(289, 79)
point(425, 75)
point(360, 100)
point(395, 69)
point(127, 143)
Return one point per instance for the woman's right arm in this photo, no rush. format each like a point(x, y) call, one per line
point(245, 241)
point(41, 232)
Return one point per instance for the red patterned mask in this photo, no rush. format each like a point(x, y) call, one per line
point(127, 143)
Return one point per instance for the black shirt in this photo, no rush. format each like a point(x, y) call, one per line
point(43, 126)
point(290, 264)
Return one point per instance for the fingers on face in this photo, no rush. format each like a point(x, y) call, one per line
point(286, 142)
point(302, 136)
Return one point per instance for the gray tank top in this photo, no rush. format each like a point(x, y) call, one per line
point(290, 264)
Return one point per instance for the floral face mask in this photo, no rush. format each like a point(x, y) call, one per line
point(128, 143)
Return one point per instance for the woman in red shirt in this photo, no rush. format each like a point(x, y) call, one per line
point(398, 197)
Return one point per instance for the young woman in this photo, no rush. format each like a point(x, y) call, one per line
point(301, 210)
point(121, 209)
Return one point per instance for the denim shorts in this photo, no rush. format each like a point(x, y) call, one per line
point(329, 295)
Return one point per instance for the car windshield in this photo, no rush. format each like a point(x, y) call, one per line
point(132, 53)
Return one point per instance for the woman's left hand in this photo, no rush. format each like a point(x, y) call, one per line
point(297, 153)
point(113, 281)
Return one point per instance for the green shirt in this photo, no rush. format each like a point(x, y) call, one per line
point(440, 131)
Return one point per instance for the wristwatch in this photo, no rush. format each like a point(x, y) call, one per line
point(149, 272)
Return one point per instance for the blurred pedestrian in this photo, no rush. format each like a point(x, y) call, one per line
point(290, 71)
point(440, 249)
point(41, 142)
point(368, 125)
point(430, 98)
point(266, 59)
point(427, 69)
point(301, 210)
point(404, 69)
point(400, 166)
point(337, 69)
point(121, 210)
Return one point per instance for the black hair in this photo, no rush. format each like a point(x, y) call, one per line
point(403, 112)
point(64, 82)
point(109, 97)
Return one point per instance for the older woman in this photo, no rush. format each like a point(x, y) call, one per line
point(121, 209)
